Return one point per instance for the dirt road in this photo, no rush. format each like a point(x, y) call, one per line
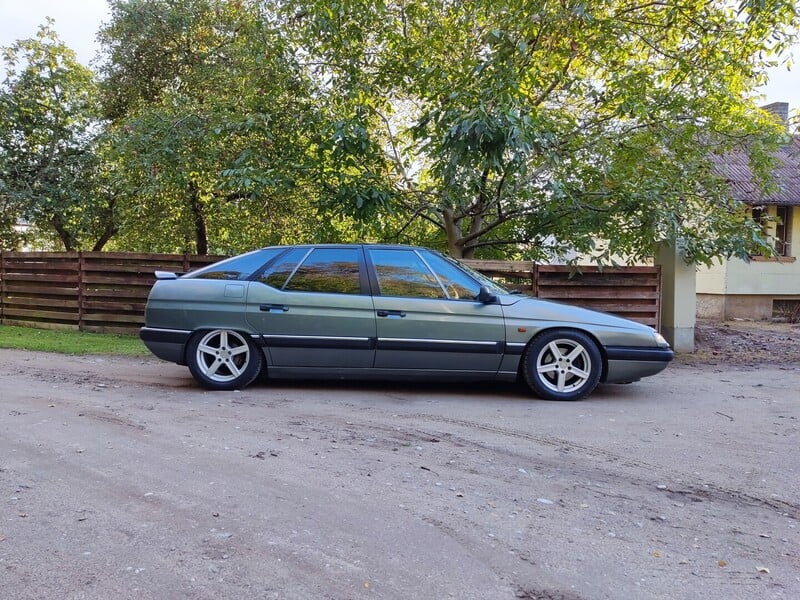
point(119, 478)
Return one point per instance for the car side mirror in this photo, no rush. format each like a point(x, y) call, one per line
point(485, 296)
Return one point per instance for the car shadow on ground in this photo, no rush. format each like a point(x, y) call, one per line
point(472, 389)
point(482, 390)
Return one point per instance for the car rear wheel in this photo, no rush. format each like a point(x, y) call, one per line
point(562, 364)
point(223, 359)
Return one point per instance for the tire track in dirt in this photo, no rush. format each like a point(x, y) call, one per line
point(702, 490)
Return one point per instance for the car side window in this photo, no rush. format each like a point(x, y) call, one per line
point(328, 271)
point(238, 267)
point(403, 273)
point(277, 274)
point(459, 285)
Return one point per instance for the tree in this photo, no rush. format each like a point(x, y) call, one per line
point(48, 134)
point(545, 125)
point(211, 117)
point(10, 237)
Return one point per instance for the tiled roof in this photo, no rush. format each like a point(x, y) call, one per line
point(736, 169)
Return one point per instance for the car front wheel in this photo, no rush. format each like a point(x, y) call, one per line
point(562, 364)
point(223, 359)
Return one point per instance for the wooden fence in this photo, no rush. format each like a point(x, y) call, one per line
point(107, 291)
point(89, 291)
point(631, 292)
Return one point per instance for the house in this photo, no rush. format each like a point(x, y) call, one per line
point(763, 287)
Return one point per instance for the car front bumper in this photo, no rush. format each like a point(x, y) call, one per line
point(626, 364)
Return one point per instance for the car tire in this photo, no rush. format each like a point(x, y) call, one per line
point(562, 364)
point(223, 359)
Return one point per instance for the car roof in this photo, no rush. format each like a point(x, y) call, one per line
point(351, 245)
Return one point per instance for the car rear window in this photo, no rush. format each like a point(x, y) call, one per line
point(236, 268)
point(328, 271)
point(278, 272)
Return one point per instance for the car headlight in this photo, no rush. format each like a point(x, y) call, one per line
point(660, 340)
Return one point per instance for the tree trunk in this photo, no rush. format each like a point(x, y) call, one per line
point(109, 232)
point(200, 230)
point(452, 227)
point(111, 228)
point(64, 235)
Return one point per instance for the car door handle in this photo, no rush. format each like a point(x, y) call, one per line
point(392, 314)
point(273, 308)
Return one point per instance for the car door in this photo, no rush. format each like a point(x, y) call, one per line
point(430, 320)
point(313, 310)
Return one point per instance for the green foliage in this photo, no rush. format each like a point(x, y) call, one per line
point(10, 237)
point(48, 160)
point(547, 125)
point(499, 128)
point(211, 121)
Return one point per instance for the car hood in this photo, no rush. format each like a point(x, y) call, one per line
point(526, 307)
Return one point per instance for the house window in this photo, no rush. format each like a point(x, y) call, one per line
point(783, 226)
point(776, 222)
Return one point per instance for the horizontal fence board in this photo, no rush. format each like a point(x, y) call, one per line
point(122, 295)
point(113, 318)
point(595, 269)
point(138, 256)
point(142, 280)
point(49, 257)
point(644, 320)
point(599, 292)
point(617, 307)
point(41, 267)
point(66, 278)
point(508, 268)
point(137, 268)
point(107, 291)
point(613, 281)
point(34, 302)
point(66, 317)
point(90, 306)
point(44, 290)
point(38, 255)
point(42, 324)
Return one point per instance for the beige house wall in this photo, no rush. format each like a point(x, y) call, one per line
point(712, 280)
point(739, 289)
point(719, 307)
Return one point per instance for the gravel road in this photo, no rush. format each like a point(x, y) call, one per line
point(120, 478)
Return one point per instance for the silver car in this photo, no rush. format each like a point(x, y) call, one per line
point(386, 312)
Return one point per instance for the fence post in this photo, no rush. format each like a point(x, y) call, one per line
point(535, 279)
point(2, 282)
point(81, 290)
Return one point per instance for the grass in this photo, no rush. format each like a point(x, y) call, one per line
point(70, 342)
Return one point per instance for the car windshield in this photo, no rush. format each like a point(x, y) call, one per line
point(490, 284)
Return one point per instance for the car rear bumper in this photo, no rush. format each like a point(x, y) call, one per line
point(166, 344)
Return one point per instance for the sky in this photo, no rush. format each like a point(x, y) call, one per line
point(77, 22)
